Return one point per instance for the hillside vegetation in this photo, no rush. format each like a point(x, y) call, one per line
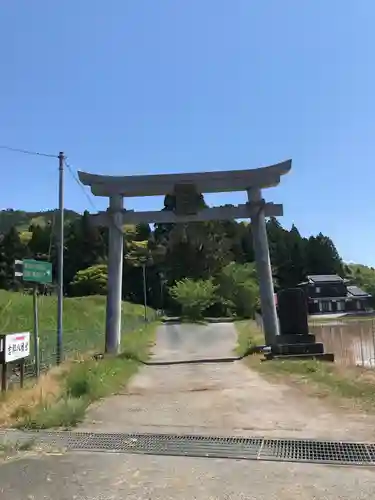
point(364, 276)
point(84, 320)
point(22, 220)
point(61, 395)
point(217, 257)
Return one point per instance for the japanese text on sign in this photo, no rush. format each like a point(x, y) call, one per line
point(17, 346)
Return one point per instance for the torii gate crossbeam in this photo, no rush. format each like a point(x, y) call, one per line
point(252, 181)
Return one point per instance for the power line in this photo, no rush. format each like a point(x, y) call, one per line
point(27, 152)
point(35, 153)
point(72, 173)
point(87, 196)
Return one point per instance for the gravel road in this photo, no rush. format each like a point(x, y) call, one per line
point(218, 398)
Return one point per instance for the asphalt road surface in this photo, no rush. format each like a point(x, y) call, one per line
point(218, 398)
point(100, 476)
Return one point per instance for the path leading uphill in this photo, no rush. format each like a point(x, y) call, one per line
point(217, 398)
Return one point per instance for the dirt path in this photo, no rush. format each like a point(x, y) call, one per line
point(218, 398)
point(225, 398)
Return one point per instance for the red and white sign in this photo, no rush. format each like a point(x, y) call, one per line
point(17, 346)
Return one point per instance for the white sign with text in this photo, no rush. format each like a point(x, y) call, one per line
point(17, 346)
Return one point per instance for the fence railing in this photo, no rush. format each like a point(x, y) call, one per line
point(75, 343)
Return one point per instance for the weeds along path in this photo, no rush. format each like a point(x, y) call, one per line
point(218, 398)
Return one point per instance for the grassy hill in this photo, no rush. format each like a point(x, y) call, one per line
point(22, 220)
point(361, 269)
point(60, 397)
point(84, 320)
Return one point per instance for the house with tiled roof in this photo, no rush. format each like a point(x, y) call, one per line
point(329, 293)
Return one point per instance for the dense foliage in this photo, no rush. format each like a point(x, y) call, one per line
point(364, 277)
point(219, 251)
point(238, 289)
point(194, 296)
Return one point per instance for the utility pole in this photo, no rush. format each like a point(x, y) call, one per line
point(162, 285)
point(36, 330)
point(60, 262)
point(144, 290)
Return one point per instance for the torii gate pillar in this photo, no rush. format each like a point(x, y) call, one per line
point(263, 267)
point(252, 181)
point(114, 288)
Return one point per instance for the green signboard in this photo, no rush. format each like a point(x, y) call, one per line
point(38, 271)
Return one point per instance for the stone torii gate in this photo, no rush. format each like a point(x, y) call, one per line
point(186, 186)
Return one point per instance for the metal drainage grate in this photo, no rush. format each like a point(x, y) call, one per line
point(316, 451)
point(155, 444)
point(259, 448)
point(371, 450)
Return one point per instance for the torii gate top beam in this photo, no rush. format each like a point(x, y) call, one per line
point(205, 182)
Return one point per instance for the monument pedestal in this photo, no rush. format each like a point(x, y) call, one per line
point(295, 341)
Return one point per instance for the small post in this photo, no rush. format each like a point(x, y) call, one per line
point(161, 275)
point(144, 290)
point(60, 262)
point(22, 373)
point(263, 266)
point(4, 377)
point(36, 330)
point(115, 263)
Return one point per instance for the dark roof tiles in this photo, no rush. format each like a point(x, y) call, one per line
point(356, 291)
point(325, 278)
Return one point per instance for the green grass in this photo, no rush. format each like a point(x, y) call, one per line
point(63, 403)
point(320, 379)
point(325, 379)
point(84, 319)
point(87, 381)
point(249, 335)
point(65, 412)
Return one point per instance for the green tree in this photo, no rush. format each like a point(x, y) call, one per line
point(322, 256)
point(194, 296)
point(90, 281)
point(41, 242)
point(239, 288)
point(279, 252)
point(194, 250)
point(297, 261)
point(11, 248)
point(142, 232)
point(84, 247)
point(364, 277)
point(139, 253)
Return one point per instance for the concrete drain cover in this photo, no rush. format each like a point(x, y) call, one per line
point(259, 448)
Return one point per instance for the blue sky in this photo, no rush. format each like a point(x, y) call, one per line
point(157, 86)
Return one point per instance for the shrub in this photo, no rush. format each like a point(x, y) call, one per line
point(94, 379)
point(238, 289)
point(194, 297)
point(90, 281)
point(66, 412)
